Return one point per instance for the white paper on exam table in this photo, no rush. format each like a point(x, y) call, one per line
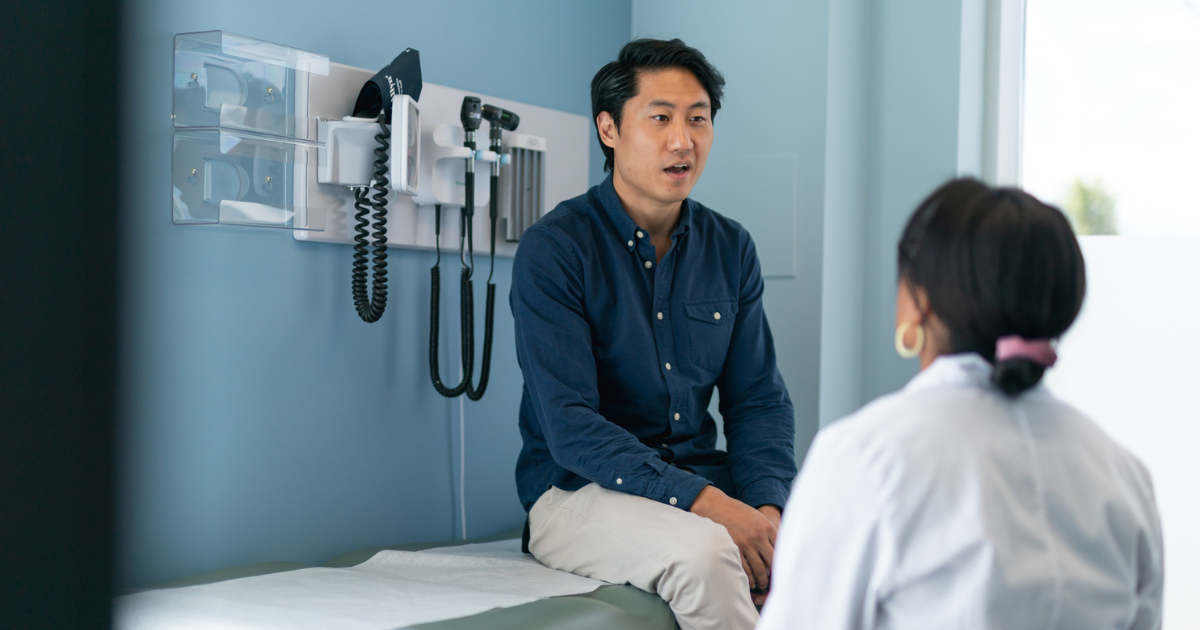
point(392, 589)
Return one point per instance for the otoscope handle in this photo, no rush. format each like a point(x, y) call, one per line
point(469, 202)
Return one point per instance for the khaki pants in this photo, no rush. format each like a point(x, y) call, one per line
point(689, 561)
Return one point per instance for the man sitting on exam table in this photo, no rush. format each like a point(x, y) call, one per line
point(973, 498)
point(631, 303)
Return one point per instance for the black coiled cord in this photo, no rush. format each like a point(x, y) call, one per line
point(489, 319)
point(467, 319)
point(489, 316)
point(466, 254)
point(370, 310)
point(435, 294)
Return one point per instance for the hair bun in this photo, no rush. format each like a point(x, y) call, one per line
point(1015, 376)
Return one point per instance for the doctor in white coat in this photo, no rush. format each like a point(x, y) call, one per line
point(973, 498)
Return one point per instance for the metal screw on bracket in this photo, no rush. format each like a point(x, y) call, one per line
point(270, 95)
point(268, 184)
point(192, 178)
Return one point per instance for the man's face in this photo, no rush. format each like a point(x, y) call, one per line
point(666, 132)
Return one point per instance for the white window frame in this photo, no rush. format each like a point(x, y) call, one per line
point(1004, 97)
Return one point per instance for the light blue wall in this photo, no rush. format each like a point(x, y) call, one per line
point(261, 420)
point(767, 165)
point(916, 97)
point(846, 151)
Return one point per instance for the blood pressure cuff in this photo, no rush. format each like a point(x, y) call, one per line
point(402, 76)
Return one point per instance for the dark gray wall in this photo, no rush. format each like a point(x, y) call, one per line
point(58, 252)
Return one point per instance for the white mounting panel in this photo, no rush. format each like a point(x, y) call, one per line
point(409, 226)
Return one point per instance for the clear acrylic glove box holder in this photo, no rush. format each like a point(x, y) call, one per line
point(243, 134)
point(224, 176)
point(235, 82)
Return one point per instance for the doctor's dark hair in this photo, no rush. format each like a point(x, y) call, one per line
point(994, 262)
point(617, 81)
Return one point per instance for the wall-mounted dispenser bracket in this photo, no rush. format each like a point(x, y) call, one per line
point(522, 183)
point(346, 156)
point(234, 82)
point(446, 158)
point(226, 176)
point(411, 219)
point(243, 138)
point(248, 149)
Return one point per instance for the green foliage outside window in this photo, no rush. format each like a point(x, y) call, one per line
point(1091, 209)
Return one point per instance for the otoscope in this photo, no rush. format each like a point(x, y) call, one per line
point(471, 118)
point(499, 120)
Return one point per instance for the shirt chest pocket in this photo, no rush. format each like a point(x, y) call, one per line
point(710, 325)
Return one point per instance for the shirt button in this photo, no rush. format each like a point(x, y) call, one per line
point(676, 416)
point(716, 316)
point(673, 501)
point(630, 243)
point(640, 235)
point(649, 264)
point(668, 367)
point(660, 315)
point(620, 481)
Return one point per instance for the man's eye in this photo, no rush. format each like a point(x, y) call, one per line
point(699, 119)
point(660, 117)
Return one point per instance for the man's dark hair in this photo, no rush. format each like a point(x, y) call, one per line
point(616, 82)
point(994, 262)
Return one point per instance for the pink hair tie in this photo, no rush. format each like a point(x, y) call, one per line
point(1016, 347)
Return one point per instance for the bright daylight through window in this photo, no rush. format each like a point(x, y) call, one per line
point(1112, 113)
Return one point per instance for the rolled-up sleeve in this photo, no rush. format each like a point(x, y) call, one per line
point(554, 349)
point(754, 403)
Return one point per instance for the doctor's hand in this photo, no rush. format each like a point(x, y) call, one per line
point(751, 530)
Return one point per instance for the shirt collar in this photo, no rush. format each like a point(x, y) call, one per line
point(626, 228)
point(685, 218)
point(966, 369)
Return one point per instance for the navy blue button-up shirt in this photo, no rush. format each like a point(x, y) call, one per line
point(621, 353)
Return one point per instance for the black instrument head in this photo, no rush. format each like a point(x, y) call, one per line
point(471, 114)
point(502, 118)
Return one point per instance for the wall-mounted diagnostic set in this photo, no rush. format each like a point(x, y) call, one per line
point(271, 136)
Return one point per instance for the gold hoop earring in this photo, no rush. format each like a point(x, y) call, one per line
point(904, 351)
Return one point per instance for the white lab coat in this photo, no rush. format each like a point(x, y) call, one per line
point(950, 505)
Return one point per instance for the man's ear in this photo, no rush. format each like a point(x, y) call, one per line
point(608, 129)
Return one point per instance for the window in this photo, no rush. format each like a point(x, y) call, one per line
point(1111, 134)
point(1112, 113)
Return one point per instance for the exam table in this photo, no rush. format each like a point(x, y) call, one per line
point(609, 606)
